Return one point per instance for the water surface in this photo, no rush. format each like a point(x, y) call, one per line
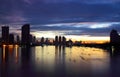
point(57, 61)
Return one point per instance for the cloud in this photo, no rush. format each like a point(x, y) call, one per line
point(13, 17)
point(64, 17)
point(79, 29)
point(66, 29)
point(28, 1)
point(40, 12)
point(72, 12)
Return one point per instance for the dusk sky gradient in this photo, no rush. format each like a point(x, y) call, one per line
point(48, 18)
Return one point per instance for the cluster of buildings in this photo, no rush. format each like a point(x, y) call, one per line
point(8, 38)
point(62, 41)
point(28, 39)
point(58, 41)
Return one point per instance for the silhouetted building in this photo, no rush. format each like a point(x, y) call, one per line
point(26, 34)
point(60, 40)
point(63, 40)
point(114, 37)
point(0, 40)
point(5, 34)
point(42, 40)
point(34, 39)
point(56, 40)
point(31, 39)
point(11, 39)
point(69, 43)
point(78, 43)
point(46, 41)
point(17, 39)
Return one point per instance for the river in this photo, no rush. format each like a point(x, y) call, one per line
point(57, 61)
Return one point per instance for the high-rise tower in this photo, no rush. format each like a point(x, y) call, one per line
point(5, 34)
point(25, 34)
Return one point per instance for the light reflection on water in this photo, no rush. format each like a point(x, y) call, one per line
point(55, 61)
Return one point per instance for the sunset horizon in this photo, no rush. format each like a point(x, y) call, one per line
point(59, 38)
point(74, 31)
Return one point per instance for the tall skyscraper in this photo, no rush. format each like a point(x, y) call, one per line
point(114, 37)
point(18, 39)
point(34, 39)
point(5, 34)
point(56, 40)
point(11, 39)
point(26, 34)
point(63, 40)
point(31, 38)
point(42, 40)
point(60, 40)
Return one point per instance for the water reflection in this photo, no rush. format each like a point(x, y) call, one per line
point(9, 53)
point(44, 60)
point(26, 62)
point(16, 54)
point(87, 61)
point(60, 61)
point(115, 61)
point(8, 60)
point(55, 61)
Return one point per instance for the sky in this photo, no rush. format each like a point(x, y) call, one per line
point(76, 19)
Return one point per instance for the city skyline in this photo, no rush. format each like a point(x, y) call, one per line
point(78, 32)
point(59, 38)
point(29, 39)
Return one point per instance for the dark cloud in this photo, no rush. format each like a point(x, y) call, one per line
point(73, 12)
point(91, 29)
point(41, 12)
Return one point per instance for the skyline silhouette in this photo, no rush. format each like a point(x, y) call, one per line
point(29, 39)
point(76, 31)
point(59, 38)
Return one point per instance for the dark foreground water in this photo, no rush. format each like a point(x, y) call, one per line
point(51, 61)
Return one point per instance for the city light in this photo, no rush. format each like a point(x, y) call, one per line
point(10, 46)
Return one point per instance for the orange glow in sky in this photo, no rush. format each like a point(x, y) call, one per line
point(84, 38)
